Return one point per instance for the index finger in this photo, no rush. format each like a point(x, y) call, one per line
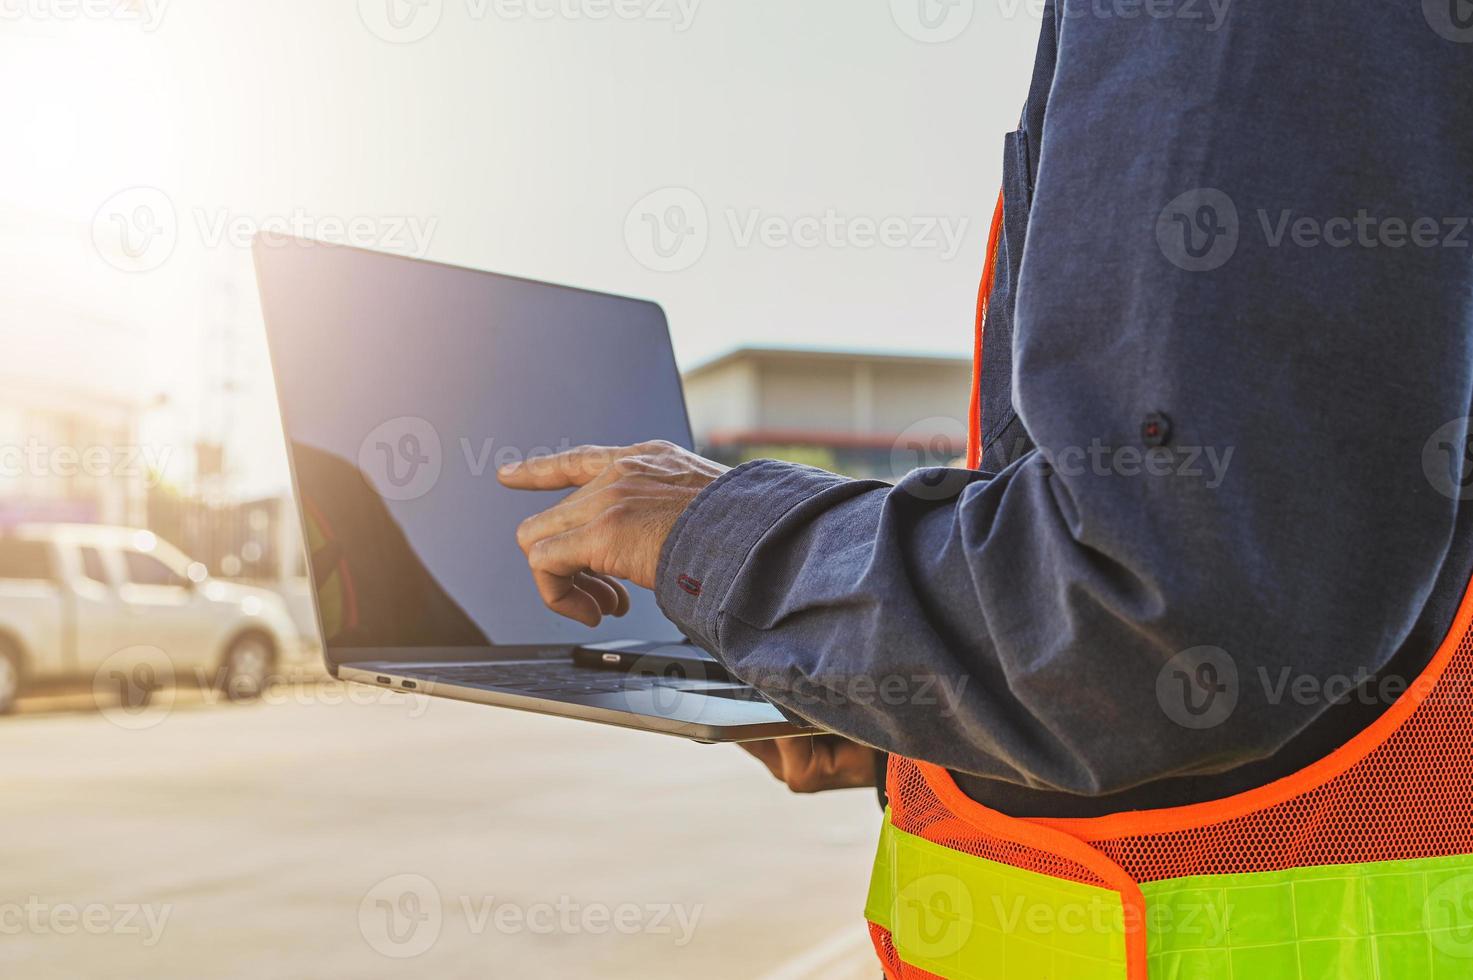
point(572, 468)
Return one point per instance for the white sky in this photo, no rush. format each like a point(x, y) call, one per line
point(517, 136)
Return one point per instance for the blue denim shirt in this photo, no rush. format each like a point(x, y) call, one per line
point(1229, 374)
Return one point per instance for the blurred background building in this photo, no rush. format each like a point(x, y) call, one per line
point(45, 473)
point(863, 415)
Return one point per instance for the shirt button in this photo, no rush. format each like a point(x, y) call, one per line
point(1155, 430)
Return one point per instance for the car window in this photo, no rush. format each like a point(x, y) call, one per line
point(92, 566)
point(148, 570)
point(24, 559)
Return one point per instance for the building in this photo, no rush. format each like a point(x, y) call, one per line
point(70, 454)
point(863, 415)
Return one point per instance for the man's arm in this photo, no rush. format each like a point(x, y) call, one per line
point(1247, 381)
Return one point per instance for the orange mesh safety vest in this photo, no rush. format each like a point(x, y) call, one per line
point(1360, 867)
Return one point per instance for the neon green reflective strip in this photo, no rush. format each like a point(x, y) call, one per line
point(968, 918)
point(1393, 920)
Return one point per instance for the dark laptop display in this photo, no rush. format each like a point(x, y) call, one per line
point(402, 394)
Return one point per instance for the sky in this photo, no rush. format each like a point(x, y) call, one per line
point(773, 172)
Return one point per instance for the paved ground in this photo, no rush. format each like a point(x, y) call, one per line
point(314, 837)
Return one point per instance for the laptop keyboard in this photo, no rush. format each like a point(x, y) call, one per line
point(570, 680)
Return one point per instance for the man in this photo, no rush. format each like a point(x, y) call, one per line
point(1217, 524)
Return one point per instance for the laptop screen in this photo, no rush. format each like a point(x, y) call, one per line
point(403, 386)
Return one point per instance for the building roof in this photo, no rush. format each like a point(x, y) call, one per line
point(792, 355)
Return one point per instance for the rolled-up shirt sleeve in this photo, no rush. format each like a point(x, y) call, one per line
point(981, 622)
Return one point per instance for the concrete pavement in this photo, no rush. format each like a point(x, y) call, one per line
point(317, 835)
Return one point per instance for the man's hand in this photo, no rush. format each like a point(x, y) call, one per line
point(814, 763)
point(612, 527)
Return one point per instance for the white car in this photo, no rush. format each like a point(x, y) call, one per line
point(77, 599)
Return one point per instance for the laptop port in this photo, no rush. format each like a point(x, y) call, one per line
point(383, 680)
point(409, 685)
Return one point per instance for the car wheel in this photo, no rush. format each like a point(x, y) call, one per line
point(247, 667)
point(9, 676)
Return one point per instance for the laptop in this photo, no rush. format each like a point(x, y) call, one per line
point(403, 386)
